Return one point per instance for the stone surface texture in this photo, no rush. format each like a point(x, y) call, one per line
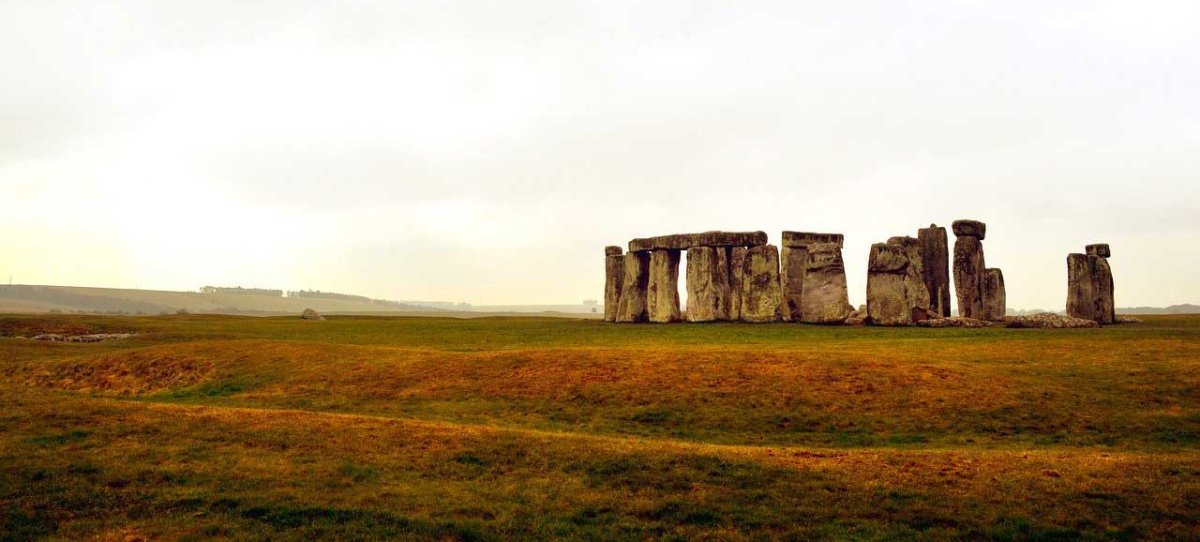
point(994, 302)
point(1099, 249)
point(614, 279)
point(632, 307)
point(684, 241)
point(792, 239)
point(613, 251)
point(935, 268)
point(887, 295)
point(914, 278)
point(761, 290)
point(1081, 297)
point(707, 284)
point(662, 290)
point(737, 279)
point(1102, 288)
point(968, 276)
point(825, 299)
point(1049, 320)
point(793, 262)
point(310, 314)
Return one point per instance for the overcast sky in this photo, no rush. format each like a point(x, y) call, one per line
point(488, 151)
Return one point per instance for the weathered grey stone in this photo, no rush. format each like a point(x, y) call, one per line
point(968, 276)
point(612, 251)
point(662, 291)
point(794, 239)
point(614, 279)
point(792, 264)
point(1049, 320)
point(969, 228)
point(935, 268)
point(914, 277)
point(684, 241)
point(310, 314)
point(1081, 295)
point(994, 302)
point(761, 291)
point(954, 321)
point(707, 284)
point(632, 307)
point(1102, 287)
point(825, 299)
point(887, 296)
point(737, 280)
point(857, 317)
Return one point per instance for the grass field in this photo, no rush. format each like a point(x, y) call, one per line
point(499, 428)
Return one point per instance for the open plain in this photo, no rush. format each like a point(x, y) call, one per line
point(204, 427)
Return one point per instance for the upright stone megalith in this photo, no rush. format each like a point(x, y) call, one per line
point(761, 291)
point(614, 279)
point(994, 302)
point(1102, 282)
point(814, 278)
point(737, 280)
point(935, 268)
point(887, 292)
point(632, 307)
point(1081, 293)
point(969, 267)
point(662, 291)
point(916, 292)
point(825, 299)
point(707, 284)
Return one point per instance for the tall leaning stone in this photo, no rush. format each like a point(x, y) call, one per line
point(761, 291)
point(887, 292)
point(662, 291)
point(737, 278)
point(614, 279)
point(632, 307)
point(935, 268)
point(707, 284)
point(825, 299)
point(916, 292)
point(994, 302)
point(969, 267)
point(1081, 296)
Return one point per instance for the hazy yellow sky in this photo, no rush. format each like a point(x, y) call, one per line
point(487, 151)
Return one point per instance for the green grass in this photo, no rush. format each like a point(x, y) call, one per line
point(371, 428)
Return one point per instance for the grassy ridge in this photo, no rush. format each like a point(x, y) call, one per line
point(497, 428)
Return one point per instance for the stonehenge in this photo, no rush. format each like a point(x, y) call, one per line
point(738, 276)
point(1090, 285)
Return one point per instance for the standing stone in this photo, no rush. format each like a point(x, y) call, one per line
point(761, 290)
point(825, 299)
point(614, 278)
point(1102, 289)
point(1081, 296)
point(935, 268)
point(994, 302)
point(969, 267)
point(707, 284)
point(887, 296)
point(737, 279)
point(916, 292)
point(792, 266)
point(662, 291)
point(632, 307)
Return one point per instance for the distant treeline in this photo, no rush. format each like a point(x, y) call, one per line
point(240, 290)
point(317, 294)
